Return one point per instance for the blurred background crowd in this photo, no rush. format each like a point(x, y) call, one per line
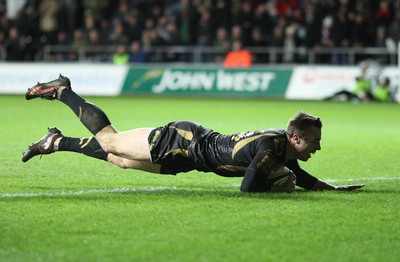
point(132, 28)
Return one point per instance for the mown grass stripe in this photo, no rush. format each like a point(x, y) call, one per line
point(156, 189)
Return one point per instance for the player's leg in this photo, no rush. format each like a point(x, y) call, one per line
point(133, 164)
point(89, 114)
point(54, 141)
point(132, 144)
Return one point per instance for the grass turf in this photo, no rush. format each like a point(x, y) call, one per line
point(66, 207)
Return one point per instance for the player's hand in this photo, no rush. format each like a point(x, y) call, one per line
point(348, 187)
point(322, 185)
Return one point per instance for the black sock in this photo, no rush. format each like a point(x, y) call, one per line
point(87, 146)
point(89, 114)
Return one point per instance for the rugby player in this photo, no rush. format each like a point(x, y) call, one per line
point(183, 146)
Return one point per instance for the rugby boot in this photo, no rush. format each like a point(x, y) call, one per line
point(48, 90)
point(44, 146)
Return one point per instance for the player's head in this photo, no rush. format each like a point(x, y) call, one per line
point(301, 122)
point(304, 132)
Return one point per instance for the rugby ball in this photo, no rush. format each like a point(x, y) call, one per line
point(279, 176)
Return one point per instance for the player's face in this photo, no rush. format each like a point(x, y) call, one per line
point(308, 145)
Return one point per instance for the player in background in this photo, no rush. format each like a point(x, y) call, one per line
point(361, 91)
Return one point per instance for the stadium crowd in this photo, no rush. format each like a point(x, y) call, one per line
point(26, 26)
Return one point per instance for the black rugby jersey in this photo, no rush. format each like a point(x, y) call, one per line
point(183, 146)
point(232, 155)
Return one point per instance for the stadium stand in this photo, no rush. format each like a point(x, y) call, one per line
point(274, 31)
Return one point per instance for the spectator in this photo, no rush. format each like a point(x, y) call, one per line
point(340, 36)
point(262, 21)
point(285, 6)
point(133, 27)
point(326, 40)
point(297, 15)
point(236, 33)
point(173, 39)
point(312, 26)
point(277, 39)
point(94, 43)
point(148, 26)
point(27, 23)
point(258, 40)
point(89, 24)
point(289, 45)
point(155, 12)
point(3, 41)
point(383, 15)
point(68, 12)
point(62, 42)
point(204, 28)
point(15, 45)
point(48, 21)
point(187, 19)
point(95, 7)
point(221, 42)
point(136, 54)
point(150, 37)
point(360, 31)
point(122, 11)
point(117, 34)
point(245, 20)
point(238, 57)
point(173, 35)
point(121, 57)
point(222, 14)
point(105, 29)
point(381, 40)
point(2, 6)
point(162, 29)
point(78, 42)
point(394, 28)
point(222, 39)
point(94, 38)
point(5, 23)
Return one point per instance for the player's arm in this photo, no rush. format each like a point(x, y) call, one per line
point(254, 179)
point(307, 181)
point(303, 178)
point(256, 176)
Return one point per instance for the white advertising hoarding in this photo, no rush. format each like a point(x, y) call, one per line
point(319, 82)
point(86, 79)
point(315, 82)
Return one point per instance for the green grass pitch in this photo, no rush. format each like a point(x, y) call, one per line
point(66, 207)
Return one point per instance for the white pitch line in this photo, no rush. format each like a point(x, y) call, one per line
point(155, 189)
point(86, 192)
point(363, 179)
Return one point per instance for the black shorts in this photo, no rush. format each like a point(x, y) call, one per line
point(170, 146)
